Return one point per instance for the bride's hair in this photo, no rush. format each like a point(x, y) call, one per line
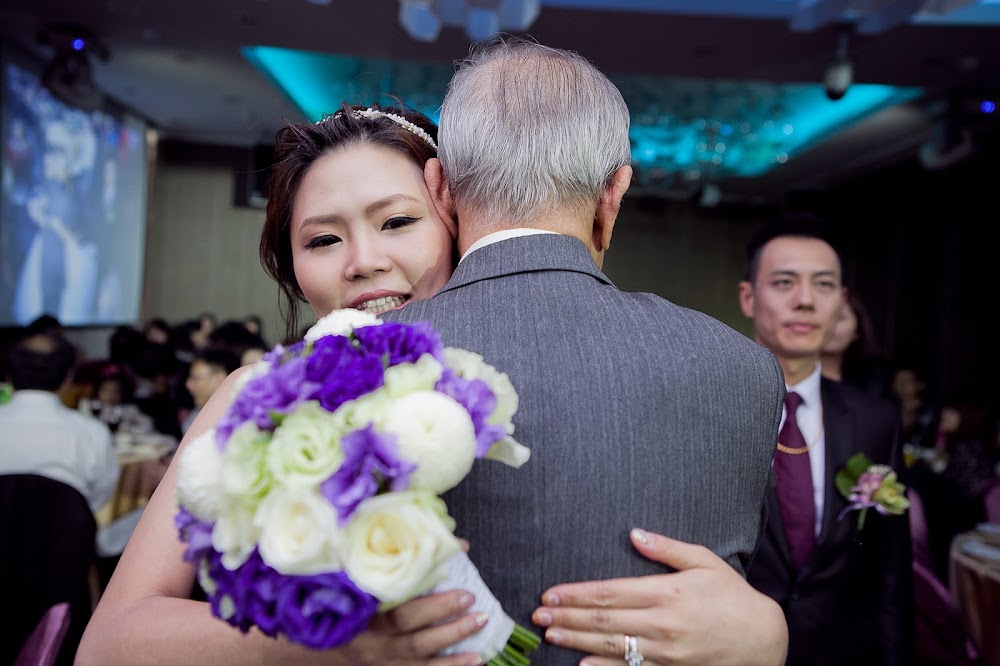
point(297, 146)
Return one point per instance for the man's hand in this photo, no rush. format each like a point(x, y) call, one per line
point(704, 613)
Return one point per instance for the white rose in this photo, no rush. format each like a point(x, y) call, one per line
point(341, 322)
point(244, 473)
point(199, 476)
point(469, 365)
point(395, 545)
point(435, 433)
point(369, 409)
point(298, 532)
point(409, 377)
point(305, 449)
point(234, 534)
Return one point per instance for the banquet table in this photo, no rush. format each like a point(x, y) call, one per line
point(975, 585)
point(140, 456)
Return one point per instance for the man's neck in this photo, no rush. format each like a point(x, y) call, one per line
point(832, 366)
point(796, 369)
point(471, 230)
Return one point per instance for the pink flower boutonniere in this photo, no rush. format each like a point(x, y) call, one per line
point(869, 486)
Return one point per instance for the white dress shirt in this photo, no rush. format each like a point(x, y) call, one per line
point(40, 435)
point(810, 419)
point(498, 236)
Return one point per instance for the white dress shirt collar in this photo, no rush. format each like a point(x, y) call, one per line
point(498, 236)
point(808, 388)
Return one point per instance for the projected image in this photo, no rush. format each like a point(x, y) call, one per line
point(72, 209)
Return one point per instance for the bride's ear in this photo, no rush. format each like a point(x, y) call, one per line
point(440, 195)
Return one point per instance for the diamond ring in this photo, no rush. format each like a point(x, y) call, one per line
point(632, 655)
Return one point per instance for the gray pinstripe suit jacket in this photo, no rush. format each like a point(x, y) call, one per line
point(638, 413)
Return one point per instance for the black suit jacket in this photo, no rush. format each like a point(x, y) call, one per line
point(851, 603)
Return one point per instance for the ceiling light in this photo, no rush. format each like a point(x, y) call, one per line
point(481, 19)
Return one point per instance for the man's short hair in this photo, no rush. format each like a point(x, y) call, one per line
point(40, 362)
point(788, 225)
point(219, 359)
point(526, 128)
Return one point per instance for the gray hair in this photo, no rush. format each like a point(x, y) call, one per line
point(526, 129)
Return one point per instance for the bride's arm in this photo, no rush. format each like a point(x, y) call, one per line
point(146, 616)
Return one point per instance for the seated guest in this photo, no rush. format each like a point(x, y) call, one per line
point(41, 435)
point(208, 369)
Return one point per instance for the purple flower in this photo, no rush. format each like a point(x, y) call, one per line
point(330, 355)
point(279, 390)
point(197, 534)
point(323, 611)
point(478, 399)
point(319, 611)
point(400, 343)
point(369, 459)
point(363, 375)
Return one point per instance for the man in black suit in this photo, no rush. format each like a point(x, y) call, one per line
point(846, 592)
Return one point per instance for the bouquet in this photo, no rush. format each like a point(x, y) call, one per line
point(315, 501)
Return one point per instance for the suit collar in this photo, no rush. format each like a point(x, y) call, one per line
point(839, 437)
point(524, 254)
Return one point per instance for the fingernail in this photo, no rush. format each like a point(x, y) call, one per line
point(554, 636)
point(640, 537)
point(465, 600)
point(550, 599)
point(475, 661)
point(543, 618)
point(482, 619)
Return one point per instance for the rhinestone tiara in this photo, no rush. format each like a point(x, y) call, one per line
point(399, 120)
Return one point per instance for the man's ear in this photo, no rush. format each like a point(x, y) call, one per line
point(746, 299)
point(437, 186)
point(608, 206)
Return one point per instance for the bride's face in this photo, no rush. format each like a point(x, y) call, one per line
point(365, 234)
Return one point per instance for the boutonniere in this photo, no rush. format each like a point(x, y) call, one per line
point(869, 486)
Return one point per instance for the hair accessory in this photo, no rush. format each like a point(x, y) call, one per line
point(371, 113)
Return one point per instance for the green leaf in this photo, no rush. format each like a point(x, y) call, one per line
point(844, 483)
point(276, 417)
point(858, 464)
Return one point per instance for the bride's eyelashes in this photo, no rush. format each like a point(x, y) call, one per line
point(398, 222)
point(322, 241)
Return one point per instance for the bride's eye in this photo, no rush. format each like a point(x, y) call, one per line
point(322, 241)
point(398, 222)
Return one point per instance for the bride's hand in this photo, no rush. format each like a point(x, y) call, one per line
point(704, 613)
point(412, 633)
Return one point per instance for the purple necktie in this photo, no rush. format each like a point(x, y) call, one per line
point(794, 485)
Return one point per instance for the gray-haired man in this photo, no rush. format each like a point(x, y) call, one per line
point(638, 412)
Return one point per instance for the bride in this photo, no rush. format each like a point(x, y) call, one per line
point(349, 224)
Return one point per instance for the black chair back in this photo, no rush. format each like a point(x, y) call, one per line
point(47, 535)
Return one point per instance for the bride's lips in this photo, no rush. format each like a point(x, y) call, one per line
point(380, 301)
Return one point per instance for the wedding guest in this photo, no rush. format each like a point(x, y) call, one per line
point(846, 591)
point(209, 369)
point(851, 353)
point(919, 417)
point(343, 165)
point(41, 435)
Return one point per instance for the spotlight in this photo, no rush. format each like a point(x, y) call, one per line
point(987, 106)
point(68, 75)
point(840, 73)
